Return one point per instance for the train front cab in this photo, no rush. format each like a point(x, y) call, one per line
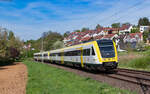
point(107, 54)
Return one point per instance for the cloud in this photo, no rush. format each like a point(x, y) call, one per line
point(34, 18)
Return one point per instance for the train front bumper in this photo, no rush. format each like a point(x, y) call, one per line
point(110, 65)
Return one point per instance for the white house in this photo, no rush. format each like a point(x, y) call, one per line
point(101, 33)
point(144, 28)
point(125, 29)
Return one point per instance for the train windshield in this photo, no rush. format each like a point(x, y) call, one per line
point(106, 48)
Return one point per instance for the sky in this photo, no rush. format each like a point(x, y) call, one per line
point(28, 19)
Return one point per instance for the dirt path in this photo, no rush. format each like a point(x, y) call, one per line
point(13, 79)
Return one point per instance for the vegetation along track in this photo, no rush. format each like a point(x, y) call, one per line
point(133, 80)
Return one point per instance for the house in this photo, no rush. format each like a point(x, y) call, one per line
point(125, 29)
point(144, 28)
point(133, 39)
point(109, 30)
point(110, 36)
point(98, 37)
point(119, 35)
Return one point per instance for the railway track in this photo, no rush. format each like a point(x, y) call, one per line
point(134, 71)
point(138, 77)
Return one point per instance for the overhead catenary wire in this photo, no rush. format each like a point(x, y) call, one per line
point(126, 15)
point(117, 13)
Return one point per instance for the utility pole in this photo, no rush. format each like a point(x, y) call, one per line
point(42, 48)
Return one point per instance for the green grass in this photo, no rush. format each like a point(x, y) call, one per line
point(135, 60)
point(142, 62)
point(44, 79)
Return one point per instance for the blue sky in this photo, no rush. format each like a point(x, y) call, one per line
point(28, 19)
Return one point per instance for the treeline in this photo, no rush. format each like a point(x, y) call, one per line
point(48, 41)
point(10, 46)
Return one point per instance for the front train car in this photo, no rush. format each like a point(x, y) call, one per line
point(108, 54)
point(100, 54)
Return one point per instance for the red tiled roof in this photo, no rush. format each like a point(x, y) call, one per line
point(98, 37)
point(109, 36)
point(78, 38)
point(85, 39)
point(124, 27)
point(132, 35)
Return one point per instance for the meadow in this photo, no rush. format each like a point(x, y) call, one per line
point(135, 60)
point(45, 79)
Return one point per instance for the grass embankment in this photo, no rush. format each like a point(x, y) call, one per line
point(135, 60)
point(44, 79)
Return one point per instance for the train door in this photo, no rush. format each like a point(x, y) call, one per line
point(48, 56)
point(81, 57)
point(80, 54)
point(62, 57)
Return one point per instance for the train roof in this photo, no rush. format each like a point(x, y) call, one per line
point(87, 43)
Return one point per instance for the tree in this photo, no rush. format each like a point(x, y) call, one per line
point(84, 29)
point(135, 30)
point(77, 31)
point(143, 22)
point(11, 35)
point(98, 26)
point(115, 25)
point(58, 44)
point(145, 35)
point(48, 38)
point(10, 46)
point(66, 34)
point(127, 23)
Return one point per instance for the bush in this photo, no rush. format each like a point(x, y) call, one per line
point(9, 56)
point(147, 47)
point(5, 61)
point(142, 62)
point(140, 46)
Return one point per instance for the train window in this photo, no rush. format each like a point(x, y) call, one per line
point(68, 53)
point(65, 53)
point(58, 54)
point(53, 54)
point(93, 52)
point(61, 54)
point(86, 52)
point(45, 55)
point(40, 55)
point(72, 53)
point(78, 53)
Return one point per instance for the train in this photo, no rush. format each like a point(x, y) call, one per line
point(97, 55)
